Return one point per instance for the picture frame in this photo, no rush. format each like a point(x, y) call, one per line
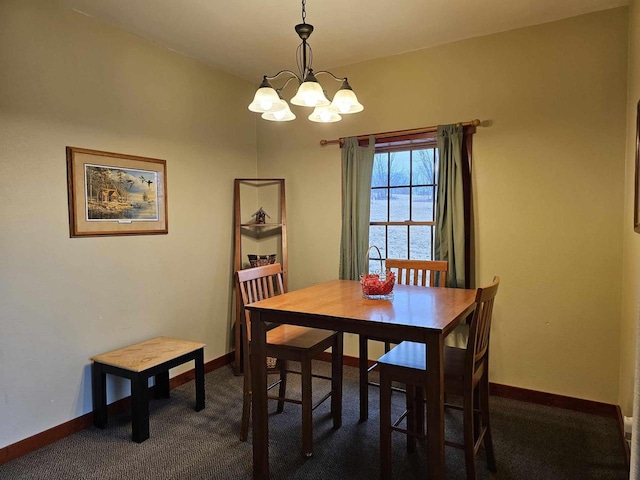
point(636, 196)
point(113, 194)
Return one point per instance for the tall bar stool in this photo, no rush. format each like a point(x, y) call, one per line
point(288, 342)
point(466, 373)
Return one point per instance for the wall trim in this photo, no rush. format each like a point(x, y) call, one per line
point(625, 445)
point(53, 434)
point(18, 449)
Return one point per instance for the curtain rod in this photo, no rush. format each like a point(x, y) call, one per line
point(415, 131)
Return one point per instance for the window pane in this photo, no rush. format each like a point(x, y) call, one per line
point(378, 237)
point(420, 247)
point(422, 204)
point(379, 205)
point(399, 203)
point(380, 172)
point(398, 242)
point(399, 164)
point(423, 167)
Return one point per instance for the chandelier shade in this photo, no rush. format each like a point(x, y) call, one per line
point(268, 100)
point(324, 115)
point(345, 101)
point(284, 115)
point(310, 93)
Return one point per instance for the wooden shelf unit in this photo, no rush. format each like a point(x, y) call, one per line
point(257, 231)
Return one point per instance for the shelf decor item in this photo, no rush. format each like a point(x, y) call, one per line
point(378, 286)
point(115, 194)
point(261, 260)
point(261, 216)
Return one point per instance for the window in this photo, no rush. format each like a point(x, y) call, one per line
point(403, 196)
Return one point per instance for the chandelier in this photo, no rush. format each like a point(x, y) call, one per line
point(269, 102)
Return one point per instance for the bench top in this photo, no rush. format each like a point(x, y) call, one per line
point(150, 353)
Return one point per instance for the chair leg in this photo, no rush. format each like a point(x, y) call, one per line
point(307, 408)
point(420, 424)
point(477, 420)
point(484, 411)
point(411, 417)
point(282, 391)
point(336, 381)
point(469, 438)
point(385, 424)
point(364, 378)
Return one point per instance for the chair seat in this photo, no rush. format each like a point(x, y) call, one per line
point(294, 336)
point(413, 355)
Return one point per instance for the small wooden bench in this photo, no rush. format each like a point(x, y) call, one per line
point(137, 363)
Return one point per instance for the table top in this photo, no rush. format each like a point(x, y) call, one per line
point(412, 307)
point(150, 353)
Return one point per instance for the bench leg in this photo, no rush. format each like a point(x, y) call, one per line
point(99, 395)
point(162, 385)
point(199, 360)
point(140, 408)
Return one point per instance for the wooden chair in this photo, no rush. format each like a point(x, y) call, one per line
point(288, 342)
point(408, 272)
point(466, 373)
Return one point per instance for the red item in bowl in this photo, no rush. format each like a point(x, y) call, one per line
point(372, 285)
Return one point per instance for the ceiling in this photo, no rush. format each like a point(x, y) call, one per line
point(252, 38)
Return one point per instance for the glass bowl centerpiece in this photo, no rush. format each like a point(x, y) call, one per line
point(378, 285)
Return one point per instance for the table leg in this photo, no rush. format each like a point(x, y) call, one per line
point(363, 364)
point(161, 389)
point(336, 381)
point(259, 397)
point(435, 406)
point(199, 360)
point(99, 395)
point(140, 408)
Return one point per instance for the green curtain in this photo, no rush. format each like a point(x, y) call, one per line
point(357, 166)
point(449, 242)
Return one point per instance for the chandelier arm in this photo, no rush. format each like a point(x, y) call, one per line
point(338, 79)
point(287, 83)
point(273, 77)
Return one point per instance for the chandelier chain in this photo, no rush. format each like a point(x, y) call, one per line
point(304, 11)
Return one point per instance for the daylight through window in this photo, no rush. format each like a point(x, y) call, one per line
point(403, 196)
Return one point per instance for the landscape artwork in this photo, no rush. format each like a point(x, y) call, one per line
point(120, 194)
point(114, 194)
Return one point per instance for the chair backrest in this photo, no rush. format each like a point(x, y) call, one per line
point(419, 272)
point(478, 343)
point(257, 284)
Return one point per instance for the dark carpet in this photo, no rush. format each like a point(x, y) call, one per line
point(531, 442)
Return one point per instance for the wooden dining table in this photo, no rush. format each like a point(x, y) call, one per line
point(415, 313)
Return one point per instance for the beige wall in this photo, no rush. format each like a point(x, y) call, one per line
point(631, 240)
point(69, 80)
point(548, 182)
point(548, 177)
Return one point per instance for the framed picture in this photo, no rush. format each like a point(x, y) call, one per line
point(115, 194)
point(636, 198)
